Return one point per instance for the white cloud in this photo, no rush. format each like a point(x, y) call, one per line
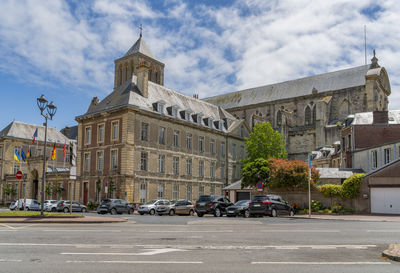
point(252, 43)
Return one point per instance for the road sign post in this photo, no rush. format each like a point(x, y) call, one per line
point(260, 186)
point(18, 175)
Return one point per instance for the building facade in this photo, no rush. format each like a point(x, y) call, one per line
point(145, 141)
point(309, 111)
point(17, 138)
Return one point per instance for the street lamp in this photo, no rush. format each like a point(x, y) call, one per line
point(51, 111)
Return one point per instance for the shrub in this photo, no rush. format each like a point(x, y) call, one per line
point(351, 186)
point(316, 205)
point(92, 205)
point(330, 190)
point(337, 207)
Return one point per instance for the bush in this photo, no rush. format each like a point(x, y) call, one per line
point(316, 205)
point(330, 190)
point(337, 208)
point(92, 205)
point(351, 186)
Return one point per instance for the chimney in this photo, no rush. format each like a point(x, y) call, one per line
point(380, 117)
point(143, 79)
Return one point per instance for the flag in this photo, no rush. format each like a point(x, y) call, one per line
point(64, 150)
point(28, 154)
point(34, 136)
point(23, 156)
point(53, 154)
point(16, 156)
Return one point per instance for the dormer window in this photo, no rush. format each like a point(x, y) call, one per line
point(197, 118)
point(209, 122)
point(185, 114)
point(173, 111)
point(159, 106)
point(219, 124)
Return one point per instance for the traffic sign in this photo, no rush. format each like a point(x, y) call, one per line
point(260, 186)
point(18, 175)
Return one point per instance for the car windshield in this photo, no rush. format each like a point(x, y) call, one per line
point(204, 198)
point(106, 201)
point(260, 198)
point(54, 201)
point(150, 202)
point(242, 203)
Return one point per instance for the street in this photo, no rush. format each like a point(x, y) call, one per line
point(192, 244)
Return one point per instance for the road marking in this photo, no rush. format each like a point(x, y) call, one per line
point(17, 227)
point(147, 253)
point(304, 230)
point(81, 230)
point(324, 263)
point(5, 261)
point(190, 231)
point(384, 230)
point(137, 262)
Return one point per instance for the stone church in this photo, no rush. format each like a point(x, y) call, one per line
point(309, 111)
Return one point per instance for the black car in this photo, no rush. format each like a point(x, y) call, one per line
point(212, 204)
point(114, 206)
point(271, 205)
point(66, 205)
point(240, 208)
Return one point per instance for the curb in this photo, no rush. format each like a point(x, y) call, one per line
point(389, 253)
point(389, 256)
point(372, 219)
point(62, 221)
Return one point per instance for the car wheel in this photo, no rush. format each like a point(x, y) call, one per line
point(84, 210)
point(141, 213)
point(274, 213)
point(246, 213)
point(191, 212)
point(200, 214)
point(171, 212)
point(113, 211)
point(152, 212)
point(27, 208)
point(66, 210)
point(130, 211)
point(291, 213)
point(53, 209)
point(217, 212)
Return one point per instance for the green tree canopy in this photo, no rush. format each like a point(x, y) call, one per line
point(255, 171)
point(265, 142)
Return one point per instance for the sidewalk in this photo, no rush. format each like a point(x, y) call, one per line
point(355, 217)
point(84, 220)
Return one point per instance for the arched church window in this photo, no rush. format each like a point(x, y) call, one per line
point(307, 115)
point(279, 118)
point(314, 114)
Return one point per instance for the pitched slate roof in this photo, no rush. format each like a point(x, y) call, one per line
point(295, 88)
point(140, 46)
point(21, 130)
point(334, 173)
point(367, 118)
point(128, 94)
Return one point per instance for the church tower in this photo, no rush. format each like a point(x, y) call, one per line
point(138, 55)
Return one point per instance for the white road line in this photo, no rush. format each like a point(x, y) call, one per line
point(383, 230)
point(190, 231)
point(149, 252)
point(5, 261)
point(80, 230)
point(324, 263)
point(301, 231)
point(137, 262)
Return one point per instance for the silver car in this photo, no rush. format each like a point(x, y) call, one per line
point(150, 207)
point(48, 203)
point(166, 208)
point(52, 206)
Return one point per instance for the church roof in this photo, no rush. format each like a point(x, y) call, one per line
point(295, 88)
point(140, 46)
point(128, 94)
point(21, 130)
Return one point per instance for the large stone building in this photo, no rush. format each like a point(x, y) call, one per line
point(308, 111)
point(145, 141)
point(17, 137)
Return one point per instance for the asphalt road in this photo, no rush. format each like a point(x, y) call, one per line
point(192, 244)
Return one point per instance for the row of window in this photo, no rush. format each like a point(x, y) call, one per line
point(310, 116)
point(100, 160)
point(387, 157)
point(101, 132)
point(175, 192)
point(175, 166)
point(176, 141)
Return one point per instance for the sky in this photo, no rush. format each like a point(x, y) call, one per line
point(66, 49)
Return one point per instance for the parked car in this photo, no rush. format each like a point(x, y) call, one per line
point(271, 205)
point(65, 206)
point(48, 202)
point(31, 204)
point(150, 207)
point(115, 206)
point(182, 207)
point(212, 204)
point(165, 208)
point(13, 205)
point(52, 207)
point(241, 208)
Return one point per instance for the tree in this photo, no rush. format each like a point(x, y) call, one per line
point(265, 142)
point(290, 174)
point(48, 189)
point(255, 171)
point(351, 186)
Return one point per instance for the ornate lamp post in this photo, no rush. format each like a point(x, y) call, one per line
point(51, 111)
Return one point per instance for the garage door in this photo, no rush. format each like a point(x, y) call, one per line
point(385, 200)
point(243, 196)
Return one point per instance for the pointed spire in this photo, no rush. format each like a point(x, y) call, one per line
point(374, 61)
point(141, 29)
